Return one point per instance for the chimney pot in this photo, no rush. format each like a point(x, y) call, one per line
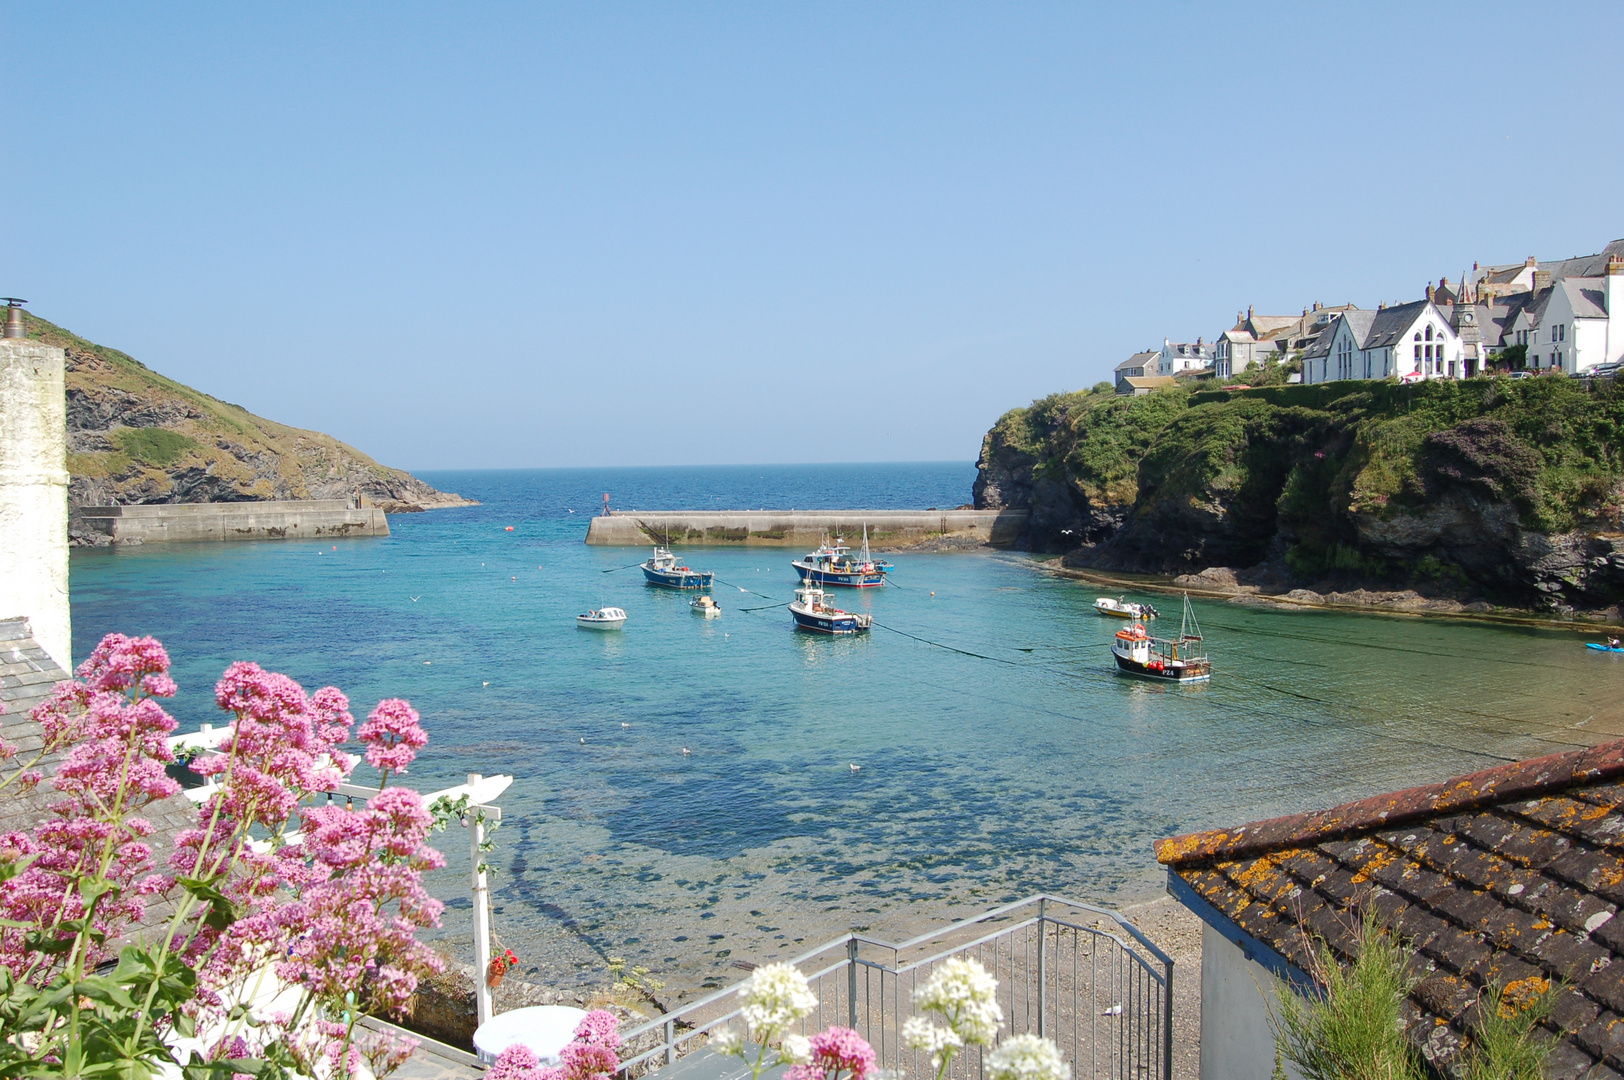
point(1615, 264)
point(14, 317)
point(1531, 261)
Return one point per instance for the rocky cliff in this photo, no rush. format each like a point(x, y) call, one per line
point(1493, 490)
point(137, 437)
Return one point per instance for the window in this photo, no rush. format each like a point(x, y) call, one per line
point(1418, 338)
point(1561, 331)
point(1418, 353)
point(1429, 332)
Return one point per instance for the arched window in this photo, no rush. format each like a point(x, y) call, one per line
point(1429, 332)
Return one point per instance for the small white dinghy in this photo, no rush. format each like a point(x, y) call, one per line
point(704, 605)
point(609, 618)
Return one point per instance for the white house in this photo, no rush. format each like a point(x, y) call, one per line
point(1412, 341)
point(1255, 339)
point(1178, 358)
point(1574, 324)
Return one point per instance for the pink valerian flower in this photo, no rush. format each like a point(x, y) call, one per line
point(517, 1062)
point(600, 1027)
point(119, 747)
point(838, 1053)
point(352, 922)
point(393, 736)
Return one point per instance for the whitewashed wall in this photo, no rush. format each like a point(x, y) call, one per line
point(1236, 995)
point(34, 494)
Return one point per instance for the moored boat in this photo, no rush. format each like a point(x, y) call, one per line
point(1123, 608)
point(1182, 659)
point(609, 618)
point(832, 564)
point(811, 613)
point(662, 569)
point(704, 605)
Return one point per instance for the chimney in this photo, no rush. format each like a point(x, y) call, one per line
point(1429, 290)
point(1542, 280)
point(1239, 318)
point(1248, 311)
point(1531, 261)
point(14, 317)
point(1615, 304)
point(1474, 266)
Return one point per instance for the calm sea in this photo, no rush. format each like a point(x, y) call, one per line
point(979, 780)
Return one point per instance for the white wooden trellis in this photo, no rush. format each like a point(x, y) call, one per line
point(481, 791)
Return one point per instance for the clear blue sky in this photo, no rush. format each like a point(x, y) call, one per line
point(485, 235)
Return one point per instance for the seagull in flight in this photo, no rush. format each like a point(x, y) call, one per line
point(414, 599)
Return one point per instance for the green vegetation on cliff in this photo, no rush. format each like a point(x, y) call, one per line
point(135, 436)
point(1473, 482)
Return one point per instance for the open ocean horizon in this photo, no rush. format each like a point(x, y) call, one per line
point(1031, 766)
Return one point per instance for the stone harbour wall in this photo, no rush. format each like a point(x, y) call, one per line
point(308, 519)
point(803, 528)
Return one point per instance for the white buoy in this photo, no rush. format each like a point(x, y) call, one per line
point(624, 724)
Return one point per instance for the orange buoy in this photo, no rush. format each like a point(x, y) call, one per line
point(510, 528)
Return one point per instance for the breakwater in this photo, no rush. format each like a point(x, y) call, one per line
point(304, 519)
point(798, 528)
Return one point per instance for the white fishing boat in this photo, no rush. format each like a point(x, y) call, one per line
point(609, 618)
point(1182, 659)
point(1123, 608)
point(704, 605)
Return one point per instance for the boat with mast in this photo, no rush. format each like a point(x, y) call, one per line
point(1182, 659)
point(832, 564)
point(811, 613)
point(662, 569)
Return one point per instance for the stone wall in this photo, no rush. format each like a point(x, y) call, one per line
point(34, 494)
point(311, 519)
point(802, 528)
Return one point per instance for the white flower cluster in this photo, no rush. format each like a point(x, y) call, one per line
point(795, 1050)
point(1027, 1057)
point(726, 1042)
point(967, 998)
point(774, 997)
point(963, 994)
point(939, 1042)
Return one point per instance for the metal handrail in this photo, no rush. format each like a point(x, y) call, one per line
point(1139, 1017)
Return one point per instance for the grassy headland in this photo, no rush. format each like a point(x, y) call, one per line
point(1492, 488)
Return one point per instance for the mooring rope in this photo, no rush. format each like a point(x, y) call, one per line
point(949, 648)
point(741, 588)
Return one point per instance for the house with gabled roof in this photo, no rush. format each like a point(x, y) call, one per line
point(1138, 366)
point(1417, 340)
point(1510, 877)
point(1256, 339)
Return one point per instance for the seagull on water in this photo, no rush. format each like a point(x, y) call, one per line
point(856, 768)
point(624, 724)
point(686, 751)
point(583, 740)
point(485, 683)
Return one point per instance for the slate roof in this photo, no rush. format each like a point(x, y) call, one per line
point(1583, 266)
point(1500, 876)
point(1359, 322)
point(1147, 383)
point(1138, 360)
point(1588, 296)
point(27, 675)
point(1390, 324)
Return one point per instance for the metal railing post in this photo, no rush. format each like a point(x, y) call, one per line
point(851, 982)
point(1167, 1035)
point(670, 1042)
point(1043, 965)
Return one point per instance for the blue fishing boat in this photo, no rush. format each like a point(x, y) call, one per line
point(662, 569)
point(811, 613)
point(832, 564)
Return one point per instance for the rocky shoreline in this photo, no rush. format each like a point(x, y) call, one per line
point(1224, 583)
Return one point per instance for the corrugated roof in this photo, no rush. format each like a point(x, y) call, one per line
point(1509, 874)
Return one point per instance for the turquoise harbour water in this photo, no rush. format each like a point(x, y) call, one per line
point(980, 779)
